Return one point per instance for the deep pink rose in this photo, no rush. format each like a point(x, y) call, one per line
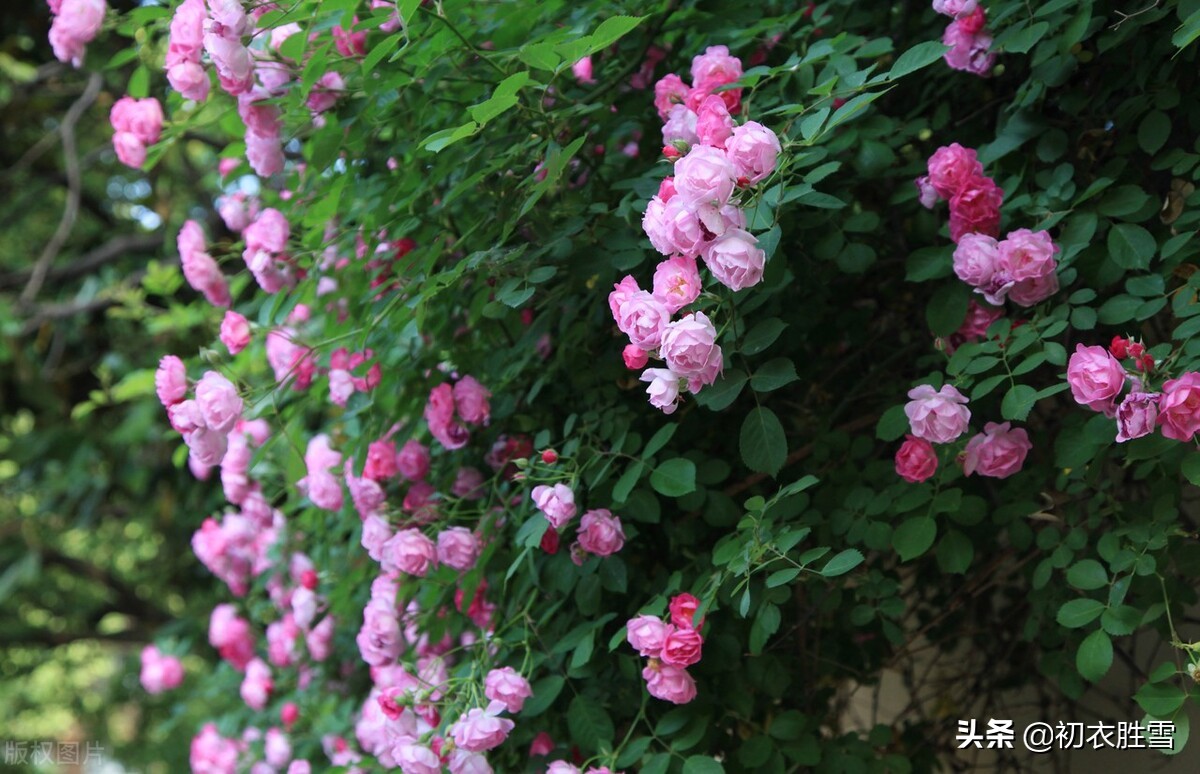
point(669, 683)
point(951, 167)
point(714, 125)
point(754, 151)
point(668, 92)
point(600, 532)
point(939, 416)
point(471, 401)
point(681, 647)
point(1033, 291)
point(1179, 407)
point(975, 209)
point(413, 460)
point(683, 609)
point(916, 460)
point(997, 452)
point(582, 70)
point(634, 356)
point(1096, 378)
point(1137, 415)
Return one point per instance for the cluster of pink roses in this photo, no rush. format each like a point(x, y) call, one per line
point(160, 672)
point(671, 648)
point(468, 399)
point(955, 174)
point(695, 214)
point(136, 123)
point(75, 24)
point(184, 71)
point(600, 532)
point(206, 421)
point(1097, 378)
point(967, 35)
point(942, 417)
point(199, 268)
point(266, 251)
point(1021, 267)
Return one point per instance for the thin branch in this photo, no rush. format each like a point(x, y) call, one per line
point(74, 189)
point(89, 261)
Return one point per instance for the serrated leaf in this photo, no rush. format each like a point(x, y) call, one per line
point(914, 537)
point(1095, 656)
point(590, 726)
point(674, 478)
point(763, 443)
point(842, 563)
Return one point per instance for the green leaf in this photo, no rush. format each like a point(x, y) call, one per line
point(892, 424)
point(1119, 309)
point(782, 577)
point(702, 764)
point(917, 57)
point(139, 83)
point(1087, 575)
point(439, 140)
point(674, 478)
point(1187, 32)
point(545, 691)
point(590, 726)
point(723, 392)
point(914, 537)
point(773, 374)
point(929, 263)
point(540, 56)
point(1191, 468)
point(1025, 39)
point(633, 751)
point(766, 623)
point(955, 552)
point(613, 29)
point(1095, 656)
point(1131, 246)
point(1154, 131)
point(1079, 612)
point(1160, 699)
point(842, 563)
point(1018, 402)
point(948, 308)
point(763, 443)
point(762, 335)
point(659, 440)
point(628, 481)
point(657, 764)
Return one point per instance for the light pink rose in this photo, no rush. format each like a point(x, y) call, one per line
point(1179, 407)
point(939, 416)
point(916, 460)
point(997, 452)
point(677, 282)
point(600, 532)
point(457, 547)
point(199, 269)
point(143, 118)
point(235, 332)
point(1096, 378)
point(1033, 291)
point(1024, 254)
point(951, 167)
point(237, 210)
point(170, 380)
point(562, 767)
point(264, 152)
point(480, 730)
point(663, 388)
point(319, 639)
point(976, 259)
point(955, 7)
point(714, 125)
point(409, 551)
point(159, 672)
point(646, 634)
point(415, 758)
point(926, 193)
point(975, 208)
point(556, 502)
point(276, 748)
point(219, 402)
point(231, 636)
point(668, 92)
point(379, 640)
point(969, 51)
point(508, 687)
point(375, 534)
point(680, 127)
point(471, 401)
point(268, 232)
point(439, 415)
point(643, 318)
point(704, 176)
point(754, 151)
point(681, 647)
point(326, 92)
point(413, 460)
point(669, 683)
point(735, 259)
point(689, 345)
point(190, 79)
point(212, 753)
point(75, 25)
point(1137, 415)
point(186, 39)
point(682, 231)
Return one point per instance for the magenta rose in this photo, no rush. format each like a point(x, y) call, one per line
point(975, 208)
point(951, 167)
point(646, 634)
point(683, 609)
point(997, 452)
point(1096, 378)
point(1136, 415)
point(634, 356)
point(753, 149)
point(681, 647)
point(939, 416)
point(1179, 407)
point(916, 460)
point(735, 259)
point(976, 259)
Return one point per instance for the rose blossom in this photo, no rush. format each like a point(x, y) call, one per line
point(582, 70)
point(997, 452)
point(669, 683)
point(235, 332)
point(646, 634)
point(643, 318)
point(677, 282)
point(681, 647)
point(257, 684)
point(508, 687)
point(663, 389)
point(556, 502)
point(413, 460)
point(939, 416)
point(970, 49)
point(735, 259)
point(1032, 291)
point(673, 227)
point(170, 380)
point(159, 672)
point(714, 125)
point(753, 150)
point(480, 730)
point(955, 7)
point(634, 356)
point(976, 259)
point(75, 25)
point(951, 167)
point(1179, 407)
point(414, 758)
point(715, 68)
point(680, 127)
point(600, 532)
point(705, 175)
point(916, 460)
point(1024, 254)
point(927, 195)
point(668, 92)
point(410, 552)
point(1096, 378)
point(457, 547)
point(683, 611)
point(1136, 415)
point(690, 349)
point(471, 401)
point(975, 208)
point(219, 402)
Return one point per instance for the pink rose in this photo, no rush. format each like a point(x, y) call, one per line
point(556, 502)
point(413, 460)
point(219, 402)
point(997, 452)
point(170, 381)
point(951, 167)
point(159, 673)
point(940, 416)
point(1136, 416)
point(231, 636)
point(668, 92)
point(600, 532)
point(669, 683)
point(672, 227)
point(379, 640)
point(348, 42)
point(235, 332)
point(375, 534)
point(735, 259)
point(471, 401)
point(683, 609)
point(634, 356)
point(414, 758)
point(916, 460)
point(328, 88)
point(680, 127)
point(663, 388)
point(976, 259)
point(677, 282)
point(237, 210)
point(1032, 291)
point(582, 70)
point(621, 293)
point(970, 49)
point(975, 208)
point(714, 125)
point(690, 349)
point(681, 647)
point(265, 155)
point(410, 552)
point(199, 269)
point(926, 193)
point(210, 752)
point(276, 748)
point(130, 150)
point(646, 634)
point(480, 730)
point(75, 25)
point(381, 460)
point(508, 687)
point(143, 118)
point(187, 32)
point(268, 232)
point(562, 767)
point(1024, 254)
point(1179, 407)
point(979, 318)
point(1096, 378)
point(955, 7)
point(715, 68)
point(753, 150)
point(257, 684)
point(439, 415)
point(643, 318)
point(189, 79)
point(457, 547)
point(704, 176)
